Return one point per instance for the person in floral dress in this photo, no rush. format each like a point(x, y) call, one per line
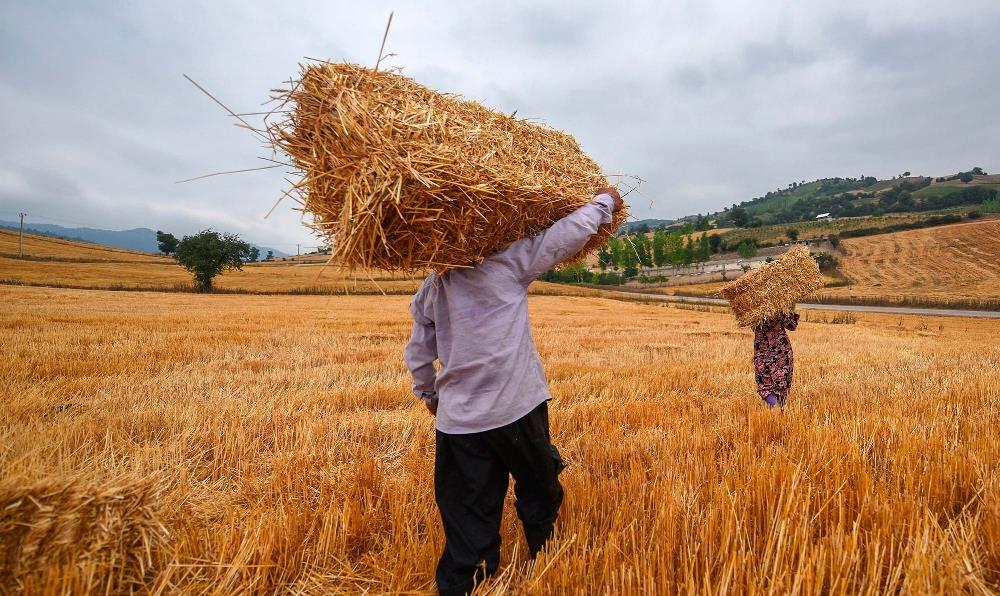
point(772, 358)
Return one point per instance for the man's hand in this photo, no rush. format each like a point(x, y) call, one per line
point(432, 405)
point(613, 192)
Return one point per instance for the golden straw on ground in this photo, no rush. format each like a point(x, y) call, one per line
point(95, 533)
point(773, 288)
point(400, 177)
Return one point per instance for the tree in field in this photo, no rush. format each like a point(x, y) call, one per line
point(167, 242)
point(792, 234)
point(629, 258)
point(826, 261)
point(647, 250)
point(675, 249)
point(208, 253)
point(715, 243)
point(617, 248)
point(966, 177)
point(687, 254)
point(660, 248)
point(270, 256)
point(747, 249)
point(739, 217)
point(577, 270)
point(623, 255)
point(834, 240)
point(639, 248)
point(604, 259)
point(254, 254)
point(704, 249)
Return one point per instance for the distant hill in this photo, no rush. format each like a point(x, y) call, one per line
point(862, 196)
point(652, 224)
point(141, 239)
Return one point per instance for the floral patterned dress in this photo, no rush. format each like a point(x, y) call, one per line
point(772, 358)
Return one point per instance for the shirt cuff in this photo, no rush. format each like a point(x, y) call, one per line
point(607, 201)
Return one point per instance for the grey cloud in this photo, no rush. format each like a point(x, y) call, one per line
point(689, 78)
point(764, 59)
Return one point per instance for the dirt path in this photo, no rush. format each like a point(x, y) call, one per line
point(901, 310)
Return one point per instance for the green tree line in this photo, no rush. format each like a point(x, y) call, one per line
point(660, 249)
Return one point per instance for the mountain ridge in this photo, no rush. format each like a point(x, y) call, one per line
point(139, 239)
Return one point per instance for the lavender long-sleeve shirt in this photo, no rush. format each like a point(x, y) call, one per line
point(475, 322)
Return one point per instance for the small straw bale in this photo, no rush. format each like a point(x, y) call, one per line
point(773, 288)
point(400, 177)
point(74, 536)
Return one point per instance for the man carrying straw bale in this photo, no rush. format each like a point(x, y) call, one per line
point(399, 177)
point(763, 299)
point(490, 396)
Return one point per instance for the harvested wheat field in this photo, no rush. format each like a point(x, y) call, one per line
point(48, 248)
point(259, 444)
point(956, 262)
point(279, 277)
point(259, 278)
point(65, 263)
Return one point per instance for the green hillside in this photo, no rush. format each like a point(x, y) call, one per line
point(865, 196)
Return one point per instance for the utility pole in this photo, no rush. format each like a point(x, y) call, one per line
point(20, 237)
point(298, 252)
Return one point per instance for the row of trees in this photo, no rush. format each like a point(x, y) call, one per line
point(677, 248)
point(207, 254)
point(659, 249)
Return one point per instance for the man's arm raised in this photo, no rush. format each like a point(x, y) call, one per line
point(530, 257)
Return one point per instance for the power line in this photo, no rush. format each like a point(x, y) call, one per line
point(20, 236)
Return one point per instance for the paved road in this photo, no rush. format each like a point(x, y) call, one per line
point(899, 310)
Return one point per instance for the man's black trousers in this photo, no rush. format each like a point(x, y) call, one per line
point(471, 473)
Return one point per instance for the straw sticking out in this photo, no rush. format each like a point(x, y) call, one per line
point(773, 288)
point(399, 177)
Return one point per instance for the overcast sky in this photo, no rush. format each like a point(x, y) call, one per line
point(710, 101)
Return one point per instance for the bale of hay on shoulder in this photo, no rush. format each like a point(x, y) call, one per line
point(774, 287)
point(399, 177)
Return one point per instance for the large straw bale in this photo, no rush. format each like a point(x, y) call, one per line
point(399, 177)
point(66, 535)
point(773, 288)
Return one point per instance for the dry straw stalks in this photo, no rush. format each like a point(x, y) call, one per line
point(60, 535)
point(402, 178)
point(773, 288)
